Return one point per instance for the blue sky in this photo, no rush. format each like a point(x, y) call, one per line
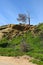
point(9, 10)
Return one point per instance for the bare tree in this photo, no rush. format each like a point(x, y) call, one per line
point(28, 17)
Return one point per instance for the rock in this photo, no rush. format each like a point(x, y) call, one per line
point(12, 30)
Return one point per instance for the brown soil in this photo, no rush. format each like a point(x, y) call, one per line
point(23, 60)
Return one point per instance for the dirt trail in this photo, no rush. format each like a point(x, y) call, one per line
point(23, 60)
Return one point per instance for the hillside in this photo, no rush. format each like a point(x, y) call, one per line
point(18, 40)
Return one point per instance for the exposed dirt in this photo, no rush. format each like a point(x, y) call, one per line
point(23, 60)
point(13, 30)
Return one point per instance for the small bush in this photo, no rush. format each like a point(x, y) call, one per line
point(3, 45)
point(25, 47)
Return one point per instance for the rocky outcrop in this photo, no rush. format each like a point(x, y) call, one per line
point(12, 30)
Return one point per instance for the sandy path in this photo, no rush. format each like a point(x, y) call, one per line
point(24, 60)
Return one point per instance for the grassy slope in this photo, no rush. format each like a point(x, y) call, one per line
point(34, 41)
